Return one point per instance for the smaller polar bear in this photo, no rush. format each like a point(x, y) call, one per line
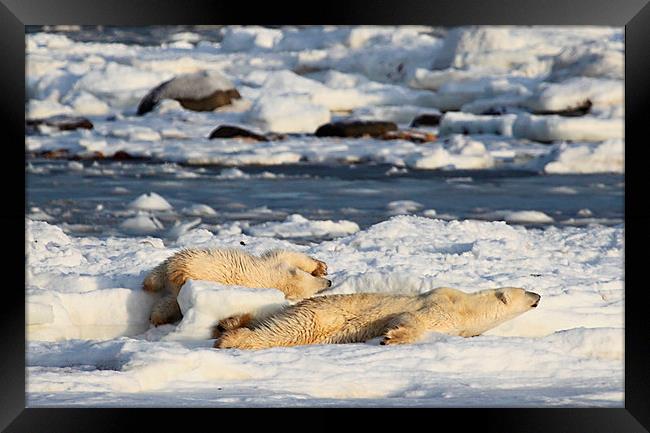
point(295, 274)
point(359, 317)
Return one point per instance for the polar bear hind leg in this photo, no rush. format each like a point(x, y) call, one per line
point(230, 323)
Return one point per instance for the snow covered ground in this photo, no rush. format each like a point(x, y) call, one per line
point(89, 342)
point(545, 100)
point(502, 86)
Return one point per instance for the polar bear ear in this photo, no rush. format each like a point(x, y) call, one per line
point(503, 296)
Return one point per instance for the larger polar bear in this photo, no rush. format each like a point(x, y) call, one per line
point(358, 317)
point(295, 274)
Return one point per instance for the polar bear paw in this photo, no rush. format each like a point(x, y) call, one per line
point(398, 335)
point(321, 268)
point(230, 323)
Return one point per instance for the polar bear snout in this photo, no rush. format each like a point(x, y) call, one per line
point(534, 298)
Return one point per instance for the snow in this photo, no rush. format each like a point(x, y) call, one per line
point(294, 79)
point(89, 342)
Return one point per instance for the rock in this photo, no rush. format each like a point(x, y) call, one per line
point(414, 136)
point(577, 111)
point(199, 91)
point(426, 120)
point(228, 131)
point(355, 129)
point(61, 122)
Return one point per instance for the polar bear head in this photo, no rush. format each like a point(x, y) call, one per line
point(495, 306)
point(298, 284)
point(475, 313)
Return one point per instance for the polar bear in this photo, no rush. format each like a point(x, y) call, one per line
point(358, 317)
point(295, 274)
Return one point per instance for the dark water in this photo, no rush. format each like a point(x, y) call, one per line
point(358, 193)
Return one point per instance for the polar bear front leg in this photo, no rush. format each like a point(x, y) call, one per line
point(404, 328)
point(165, 310)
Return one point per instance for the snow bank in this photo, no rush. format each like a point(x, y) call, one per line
point(567, 352)
point(97, 314)
point(203, 303)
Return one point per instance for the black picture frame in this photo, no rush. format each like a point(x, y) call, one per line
point(633, 14)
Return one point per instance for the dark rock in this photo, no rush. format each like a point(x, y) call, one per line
point(218, 99)
point(61, 122)
point(577, 111)
point(228, 131)
point(55, 154)
point(426, 120)
point(355, 129)
point(121, 155)
point(200, 91)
